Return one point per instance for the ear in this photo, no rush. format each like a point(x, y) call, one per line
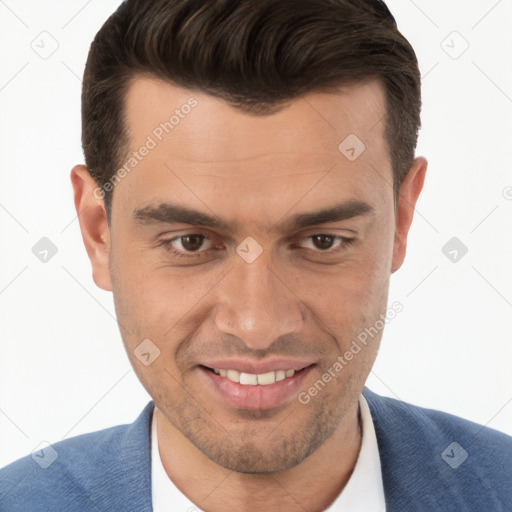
point(90, 208)
point(409, 193)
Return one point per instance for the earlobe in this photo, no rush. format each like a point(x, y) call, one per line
point(92, 217)
point(409, 193)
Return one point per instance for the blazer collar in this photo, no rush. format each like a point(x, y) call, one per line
point(414, 474)
point(130, 483)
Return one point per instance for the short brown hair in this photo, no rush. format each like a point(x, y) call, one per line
point(256, 55)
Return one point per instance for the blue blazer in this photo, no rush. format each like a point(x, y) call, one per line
point(431, 461)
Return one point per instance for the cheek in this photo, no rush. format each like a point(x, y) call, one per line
point(153, 301)
point(138, 297)
point(347, 304)
point(358, 286)
point(138, 282)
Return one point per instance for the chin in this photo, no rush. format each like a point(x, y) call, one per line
point(252, 458)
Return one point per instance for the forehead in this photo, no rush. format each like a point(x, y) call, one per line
point(315, 122)
point(209, 146)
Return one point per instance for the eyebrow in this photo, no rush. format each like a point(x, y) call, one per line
point(169, 213)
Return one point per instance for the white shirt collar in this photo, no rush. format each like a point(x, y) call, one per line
point(363, 491)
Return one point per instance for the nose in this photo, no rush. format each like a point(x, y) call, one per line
point(257, 304)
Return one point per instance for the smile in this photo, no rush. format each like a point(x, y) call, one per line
point(253, 391)
point(249, 379)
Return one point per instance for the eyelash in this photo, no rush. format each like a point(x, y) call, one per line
point(167, 245)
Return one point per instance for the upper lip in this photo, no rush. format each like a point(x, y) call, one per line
point(257, 367)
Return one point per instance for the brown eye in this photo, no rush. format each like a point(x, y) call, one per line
point(192, 243)
point(323, 242)
point(326, 243)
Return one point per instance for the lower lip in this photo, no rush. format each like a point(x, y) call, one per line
point(255, 397)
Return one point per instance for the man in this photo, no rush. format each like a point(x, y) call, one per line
point(249, 185)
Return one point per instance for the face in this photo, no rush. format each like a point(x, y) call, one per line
point(245, 246)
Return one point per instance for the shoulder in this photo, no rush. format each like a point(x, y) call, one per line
point(441, 456)
point(77, 473)
point(432, 423)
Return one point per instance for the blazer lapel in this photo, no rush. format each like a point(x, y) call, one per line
point(121, 479)
point(415, 476)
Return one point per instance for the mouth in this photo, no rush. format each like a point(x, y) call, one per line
point(254, 391)
point(251, 379)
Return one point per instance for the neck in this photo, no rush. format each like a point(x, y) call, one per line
point(311, 485)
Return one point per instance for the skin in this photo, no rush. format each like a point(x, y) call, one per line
point(296, 299)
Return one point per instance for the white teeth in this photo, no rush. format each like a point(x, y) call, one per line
point(266, 378)
point(249, 379)
point(233, 375)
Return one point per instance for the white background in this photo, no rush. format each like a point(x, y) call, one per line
point(63, 369)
